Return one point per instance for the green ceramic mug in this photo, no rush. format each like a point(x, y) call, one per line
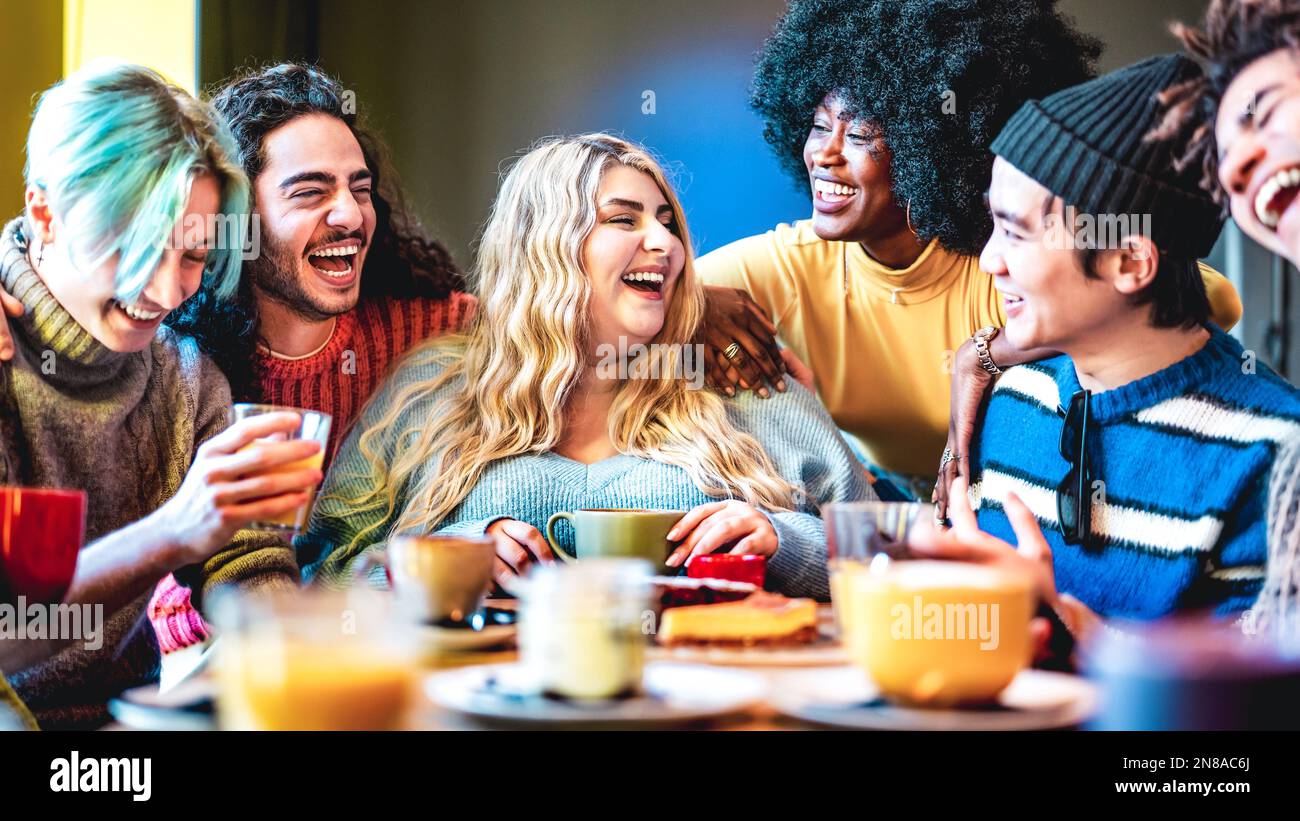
point(612, 532)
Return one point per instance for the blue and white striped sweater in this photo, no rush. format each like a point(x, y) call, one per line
point(1183, 458)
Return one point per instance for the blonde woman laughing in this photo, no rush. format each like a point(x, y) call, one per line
point(585, 252)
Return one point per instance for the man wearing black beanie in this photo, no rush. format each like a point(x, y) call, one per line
point(1142, 451)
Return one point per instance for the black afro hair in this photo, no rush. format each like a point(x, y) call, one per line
point(894, 63)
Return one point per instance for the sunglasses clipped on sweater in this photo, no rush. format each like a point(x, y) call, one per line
point(1073, 502)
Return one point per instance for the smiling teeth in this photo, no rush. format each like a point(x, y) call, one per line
point(334, 274)
point(1286, 178)
point(137, 313)
point(337, 252)
point(644, 276)
point(835, 188)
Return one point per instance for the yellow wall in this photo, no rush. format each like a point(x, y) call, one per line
point(42, 40)
point(30, 61)
point(157, 33)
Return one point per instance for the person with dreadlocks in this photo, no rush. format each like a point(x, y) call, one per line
point(1244, 119)
point(344, 284)
point(885, 111)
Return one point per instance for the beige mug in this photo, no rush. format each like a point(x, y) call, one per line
point(437, 579)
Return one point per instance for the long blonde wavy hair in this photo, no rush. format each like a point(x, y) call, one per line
point(527, 350)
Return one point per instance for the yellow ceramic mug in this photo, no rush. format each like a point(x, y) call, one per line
point(938, 634)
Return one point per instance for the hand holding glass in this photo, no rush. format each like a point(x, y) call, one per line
point(313, 426)
point(230, 486)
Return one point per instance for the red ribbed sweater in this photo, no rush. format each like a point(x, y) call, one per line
point(339, 378)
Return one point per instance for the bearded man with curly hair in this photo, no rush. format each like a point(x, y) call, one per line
point(343, 284)
point(884, 111)
point(345, 280)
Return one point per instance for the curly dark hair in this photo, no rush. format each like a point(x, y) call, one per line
point(1235, 34)
point(892, 62)
point(402, 261)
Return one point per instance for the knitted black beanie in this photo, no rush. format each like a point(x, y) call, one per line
point(1085, 145)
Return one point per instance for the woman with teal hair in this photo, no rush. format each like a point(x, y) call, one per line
point(133, 197)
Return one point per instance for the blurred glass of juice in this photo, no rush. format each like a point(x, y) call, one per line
point(311, 660)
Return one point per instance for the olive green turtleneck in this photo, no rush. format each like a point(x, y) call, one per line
point(123, 427)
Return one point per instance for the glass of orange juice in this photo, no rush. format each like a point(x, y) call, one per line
point(313, 660)
point(863, 537)
point(314, 426)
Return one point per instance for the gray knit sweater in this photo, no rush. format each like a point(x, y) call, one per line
point(793, 427)
point(124, 428)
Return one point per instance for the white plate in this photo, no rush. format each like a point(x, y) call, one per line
point(674, 694)
point(146, 708)
point(844, 697)
point(451, 639)
point(824, 652)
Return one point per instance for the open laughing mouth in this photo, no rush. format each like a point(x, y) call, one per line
point(139, 316)
point(646, 282)
point(335, 262)
point(831, 197)
point(1276, 195)
point(833, 192)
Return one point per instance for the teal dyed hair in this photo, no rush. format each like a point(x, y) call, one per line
point(116, 147)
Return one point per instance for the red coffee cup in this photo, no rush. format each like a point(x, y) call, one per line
point(731, 566)
point(41, 533)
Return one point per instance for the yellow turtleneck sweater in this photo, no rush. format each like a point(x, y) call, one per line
point(880, 341)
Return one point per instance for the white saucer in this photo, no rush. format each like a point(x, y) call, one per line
point(674, 694)
point(459, 639)
point(844, 697)
point(187, 706)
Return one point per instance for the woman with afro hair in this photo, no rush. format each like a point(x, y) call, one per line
point(885, 110)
